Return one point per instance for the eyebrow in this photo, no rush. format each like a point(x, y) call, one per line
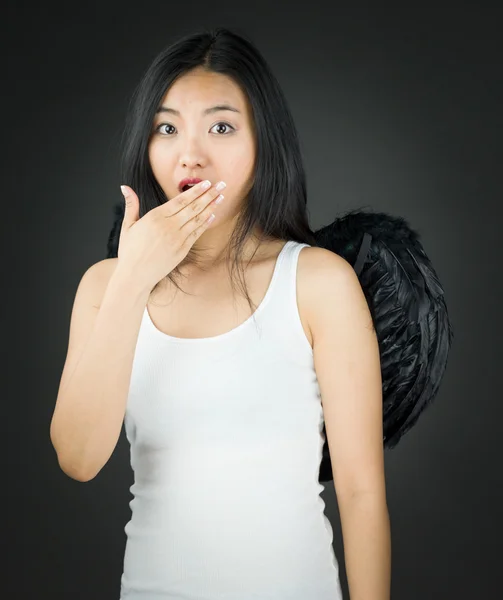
point(208, 111)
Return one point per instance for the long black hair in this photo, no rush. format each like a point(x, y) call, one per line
point(276, 202)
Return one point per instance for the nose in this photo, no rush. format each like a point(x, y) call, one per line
point(191, 162)
point(192, 155)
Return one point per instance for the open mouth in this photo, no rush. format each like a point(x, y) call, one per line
point(187, 186)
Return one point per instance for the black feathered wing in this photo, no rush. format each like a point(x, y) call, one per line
point(407, 304)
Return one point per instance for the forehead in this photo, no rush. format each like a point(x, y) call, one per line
point(203, 88)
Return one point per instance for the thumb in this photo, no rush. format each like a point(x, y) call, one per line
point(132, 208)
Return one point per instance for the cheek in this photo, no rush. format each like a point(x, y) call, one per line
point(160, 164)
point(158, 152)
point(153, 157)
point(240, 163)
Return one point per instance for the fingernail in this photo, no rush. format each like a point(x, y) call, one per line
point(124, 191)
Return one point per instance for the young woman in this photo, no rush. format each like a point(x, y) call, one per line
point(224, 394)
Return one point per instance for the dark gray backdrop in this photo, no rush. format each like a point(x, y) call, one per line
point(398, 110)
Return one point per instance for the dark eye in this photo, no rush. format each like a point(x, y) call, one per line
point(225, 125)
point(163, 125)
point(222, 123)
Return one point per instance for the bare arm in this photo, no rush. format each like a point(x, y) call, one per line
point(91, 401)
point(347, 363)
point(366, 533)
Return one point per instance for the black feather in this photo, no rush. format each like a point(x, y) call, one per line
point(407, 304)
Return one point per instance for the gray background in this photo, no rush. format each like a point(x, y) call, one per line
point(397, 110)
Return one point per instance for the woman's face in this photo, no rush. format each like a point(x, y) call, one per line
point(219, 145)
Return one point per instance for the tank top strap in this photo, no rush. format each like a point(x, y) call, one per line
point(282, 314)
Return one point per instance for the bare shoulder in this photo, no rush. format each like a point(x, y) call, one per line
point(321, 256)
point(316, 263)
point(97, 277)
point(104, 268)
point(317, 269)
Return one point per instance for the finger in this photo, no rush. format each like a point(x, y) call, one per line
point(132, 208)
point(183, 200)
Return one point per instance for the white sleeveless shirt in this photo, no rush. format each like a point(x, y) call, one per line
point(226, 442)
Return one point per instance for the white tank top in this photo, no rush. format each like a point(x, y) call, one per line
point(226, 442)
